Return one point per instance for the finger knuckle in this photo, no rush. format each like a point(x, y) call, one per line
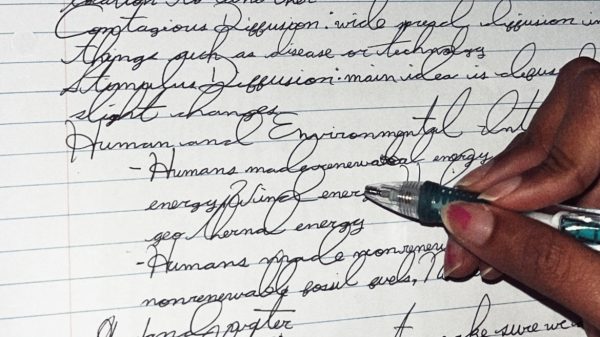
point(536, 147)
point(589, 82)
point(548, 261)
point(573, 68)
point(560, 163)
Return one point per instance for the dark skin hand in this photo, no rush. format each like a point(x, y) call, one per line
point(555, 160)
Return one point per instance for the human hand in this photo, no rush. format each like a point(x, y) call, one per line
point(556, 159)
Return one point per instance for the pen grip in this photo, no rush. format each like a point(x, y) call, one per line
point(432, 197)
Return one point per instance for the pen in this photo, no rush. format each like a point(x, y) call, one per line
point(423, 201)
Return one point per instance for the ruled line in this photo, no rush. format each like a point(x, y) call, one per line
point(299, 111)
point(33, 62)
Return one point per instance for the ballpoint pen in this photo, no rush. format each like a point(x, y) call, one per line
point(422, 201)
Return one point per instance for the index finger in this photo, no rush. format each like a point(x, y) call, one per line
point(529, 149)
point(573, 160)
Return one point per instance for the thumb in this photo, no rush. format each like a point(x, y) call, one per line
point(532, 253)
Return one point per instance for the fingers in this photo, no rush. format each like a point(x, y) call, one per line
point(557, 151)
point(458, 263)
point(555, 160)
point(535, 254)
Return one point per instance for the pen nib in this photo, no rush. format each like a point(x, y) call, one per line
point(376, 190)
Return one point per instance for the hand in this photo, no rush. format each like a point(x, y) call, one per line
point(556, 159)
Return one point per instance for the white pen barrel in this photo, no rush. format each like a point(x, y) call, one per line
point(552, 220)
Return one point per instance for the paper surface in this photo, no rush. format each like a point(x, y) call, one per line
point(192, 168)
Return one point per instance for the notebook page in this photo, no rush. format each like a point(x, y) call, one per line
point(195, 168)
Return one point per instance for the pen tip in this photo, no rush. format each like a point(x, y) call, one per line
point(372, 190)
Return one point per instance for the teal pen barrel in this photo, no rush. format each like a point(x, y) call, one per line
point(432, 197)
point(587, 232)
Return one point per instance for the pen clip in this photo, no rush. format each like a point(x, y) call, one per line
point(574, 209)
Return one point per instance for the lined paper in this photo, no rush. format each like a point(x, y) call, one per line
point(196, 168)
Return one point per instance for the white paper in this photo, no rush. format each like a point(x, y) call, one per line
point(139, 139)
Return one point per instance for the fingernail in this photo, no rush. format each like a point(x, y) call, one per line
point(486, 272)
point(451, 261)
point(468, 223)
point(475, 175)
point(501, 189)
